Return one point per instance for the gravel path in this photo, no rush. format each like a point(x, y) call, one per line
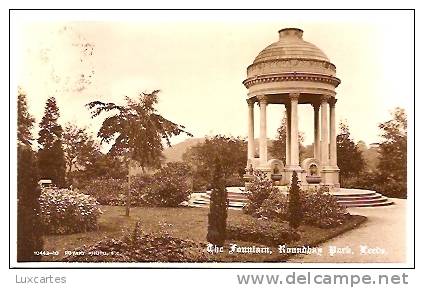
point(383, 233)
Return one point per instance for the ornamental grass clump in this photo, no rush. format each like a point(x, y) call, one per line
point(64, 211)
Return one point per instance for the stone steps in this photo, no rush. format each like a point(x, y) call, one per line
point(346, 197)
point(361, 198)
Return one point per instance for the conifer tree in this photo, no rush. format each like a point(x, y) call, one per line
point(29, 235)
point(295, 212)
point(51, 157)
point(217, 217)
point(25, 120)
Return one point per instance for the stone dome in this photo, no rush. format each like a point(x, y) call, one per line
point(291, 65)
point(291, 54)
point(291, 46)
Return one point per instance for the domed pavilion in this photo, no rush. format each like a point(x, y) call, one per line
point(290, 72)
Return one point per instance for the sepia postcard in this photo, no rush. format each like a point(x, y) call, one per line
point(229, 138)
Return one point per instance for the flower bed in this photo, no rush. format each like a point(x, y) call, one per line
point(142, 247)
point(261, 231)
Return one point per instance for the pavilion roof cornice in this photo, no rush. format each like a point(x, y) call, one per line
point(291, 76)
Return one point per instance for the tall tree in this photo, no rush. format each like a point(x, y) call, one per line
point(29, 235)
point(349, 156)
point(230, 151)
point(81, 150)
point(51, 157)
point(25, 120)
point(278, 148)
point(392, 164)
point(136, 130)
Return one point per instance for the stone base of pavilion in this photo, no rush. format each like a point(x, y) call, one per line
point(326, 176)
point(347, 197)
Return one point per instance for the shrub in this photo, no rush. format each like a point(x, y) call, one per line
point(390, 186)
point(65, 211)
point(316, 207)
point(261, 231)
point(295, 212)
point(275, 207)
point(170, 187)
point(109, 191)
point(217, 217)
point(321, 209)
point(260, 189)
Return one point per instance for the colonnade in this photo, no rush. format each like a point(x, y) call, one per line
point(325, 146)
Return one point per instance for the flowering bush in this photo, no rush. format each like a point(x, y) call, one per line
point(317, 206)
point(321, 209)
point(275, 207)
point(65, 211)
point(170, 187)
point(260, 189)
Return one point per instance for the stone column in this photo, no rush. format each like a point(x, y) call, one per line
point(324, 131)
point(250, 130)
point(288, 138)
point(333, 135)
point(262, 137)
point(294, 131)
point(317, 136)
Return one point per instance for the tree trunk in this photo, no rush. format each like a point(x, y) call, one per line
point(128, 206)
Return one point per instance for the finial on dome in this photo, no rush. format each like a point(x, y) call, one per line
point(291, 32)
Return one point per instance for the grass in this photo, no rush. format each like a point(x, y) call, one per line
point(185, 223)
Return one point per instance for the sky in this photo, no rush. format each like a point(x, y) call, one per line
point(198, 60)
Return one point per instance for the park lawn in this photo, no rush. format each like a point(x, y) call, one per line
point(184, 223)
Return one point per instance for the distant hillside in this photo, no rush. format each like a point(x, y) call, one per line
point(175, 152)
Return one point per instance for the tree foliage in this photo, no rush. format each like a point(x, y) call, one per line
point(231, 152)
point(29, 229)
point(136, 129)
point(29, 234)
point(349, 157)
point(51, 157)
point(81, 150)
point(278, 148)
point(25, 120)
point(392, 164)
